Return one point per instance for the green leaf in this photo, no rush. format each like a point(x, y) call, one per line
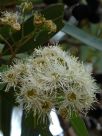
point(82, 36)
point(3, 68)
point(4, 31)
point(5, 115)
point(33, 126)
point(79, 125)
point(2, 85)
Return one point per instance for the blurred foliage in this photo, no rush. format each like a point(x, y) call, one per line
point(23, 43)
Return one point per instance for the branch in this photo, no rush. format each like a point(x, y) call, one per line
point(8, 44)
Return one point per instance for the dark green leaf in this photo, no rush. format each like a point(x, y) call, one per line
point(79, 125)
point(2, 86)
point(4, 31)
point(3, 68)
point(33, 127)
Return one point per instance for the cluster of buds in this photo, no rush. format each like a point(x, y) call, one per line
point(11, 19)
point(26, 6)
point(51, 78)
point(40, 20)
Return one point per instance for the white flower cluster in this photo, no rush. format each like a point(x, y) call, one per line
point(51, 78)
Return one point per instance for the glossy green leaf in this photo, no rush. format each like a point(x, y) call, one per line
point(82, 36)
point(79, 125)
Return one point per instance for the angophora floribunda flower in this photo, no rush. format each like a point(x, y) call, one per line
point(51, 78)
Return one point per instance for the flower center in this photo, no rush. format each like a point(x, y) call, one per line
point(55, 75)
point(64, 112)
point(71, 96)
point(10, 75)
point(41, 62)
point(46, 106)
point(60, 60)
point(31, 93)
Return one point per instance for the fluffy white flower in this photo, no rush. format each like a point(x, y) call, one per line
point(52, 78)
point(34, 99)
point(11, 77)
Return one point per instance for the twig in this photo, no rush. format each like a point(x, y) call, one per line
point(9, 45)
